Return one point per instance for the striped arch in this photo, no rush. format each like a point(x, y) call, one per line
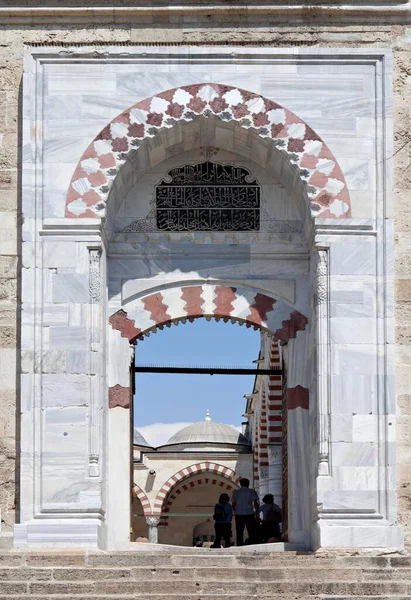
point(188, 472)
point(275, 397)
point(316, 165)
point(179, 489)
point(185, 303)
point(142, 496)
point(188, 302)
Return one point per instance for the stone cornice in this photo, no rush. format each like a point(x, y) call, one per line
point(302, 13)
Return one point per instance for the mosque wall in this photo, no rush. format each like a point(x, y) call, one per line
point(314, 31)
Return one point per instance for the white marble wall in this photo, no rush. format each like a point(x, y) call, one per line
point(67, 457)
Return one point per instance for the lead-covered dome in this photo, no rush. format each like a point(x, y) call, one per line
point(210, 433)
point(140, 440)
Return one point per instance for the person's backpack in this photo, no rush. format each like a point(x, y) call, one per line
point(219, 513)
point(274, 515)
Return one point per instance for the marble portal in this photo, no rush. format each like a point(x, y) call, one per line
point(313, 128)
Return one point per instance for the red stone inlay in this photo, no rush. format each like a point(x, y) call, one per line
point(168, 94)
point(298, 397)
point(193, 300)
point(175, 110)
point(295, 145)
point(218, 105)
point(311, 135)
point(240, 111)
point(89, 153)
point(261, 307)
point(224, 300)
point(72, 194)
point(124, 325)
point(260, 119)
point(196, 105)
point(119, 144)
point(91, 198)
point(324, 198)
point(270, 105)
point(136, 130)
point(318, 179)
point(119, 396)
point(278, 131)
point(154, 119)
point(107, 161)
point(79, 173)
point(154, 305)
point(308, 162)
point(296, 322)
point(105, 134)
point(123, 118)
point(97, 179)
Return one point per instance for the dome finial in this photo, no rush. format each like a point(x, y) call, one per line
point(207, 418)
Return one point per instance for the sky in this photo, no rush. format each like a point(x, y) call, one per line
point(164, 403)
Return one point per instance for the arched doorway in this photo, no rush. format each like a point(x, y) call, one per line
point(258, 276)
point(257, 310)
point(189, 503)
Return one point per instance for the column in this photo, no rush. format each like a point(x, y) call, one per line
point(153, 523)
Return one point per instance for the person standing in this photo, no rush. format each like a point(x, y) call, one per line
point(223, 515)
point(245, 506)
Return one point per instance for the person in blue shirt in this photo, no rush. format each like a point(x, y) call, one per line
point(245, 505)
point(223, 515)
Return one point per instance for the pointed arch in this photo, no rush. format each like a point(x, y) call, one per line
point(196, 469)
point(187, 302)
point(317, 167)
point(137, 492)
point(181, 303)
point(177, 490)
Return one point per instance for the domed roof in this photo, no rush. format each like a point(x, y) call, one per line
point(208, 431)
point(139, 440)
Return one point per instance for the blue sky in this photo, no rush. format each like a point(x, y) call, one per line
point(165, 403)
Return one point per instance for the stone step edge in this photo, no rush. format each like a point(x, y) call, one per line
point(138, 571)
point(200, 596)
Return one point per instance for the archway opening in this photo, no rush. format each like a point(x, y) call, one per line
point(256, 450)
point(208, 220)
point(190, 417)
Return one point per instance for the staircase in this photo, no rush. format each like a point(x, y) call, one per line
point(202, 574)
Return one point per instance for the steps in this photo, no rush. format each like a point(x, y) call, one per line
point(201, 575)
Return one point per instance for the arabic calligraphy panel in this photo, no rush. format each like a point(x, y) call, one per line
point(208, 197)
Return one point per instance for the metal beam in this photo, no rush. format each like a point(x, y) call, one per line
point(204, 370)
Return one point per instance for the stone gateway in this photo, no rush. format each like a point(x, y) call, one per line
point(160, 164)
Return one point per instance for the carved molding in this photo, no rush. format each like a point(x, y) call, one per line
point(323, 391)
point(322, 277)
point(95, 363)
point(94, 275)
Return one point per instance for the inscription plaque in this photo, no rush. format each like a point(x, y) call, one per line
point(208, 197)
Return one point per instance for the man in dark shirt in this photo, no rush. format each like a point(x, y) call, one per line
point(245, 506)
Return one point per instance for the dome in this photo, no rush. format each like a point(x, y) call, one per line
point(139, 440)
point(208, 432)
